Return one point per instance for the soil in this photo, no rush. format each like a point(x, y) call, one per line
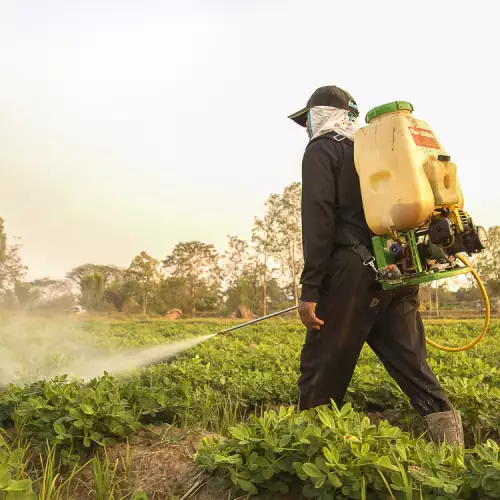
point(157, 461)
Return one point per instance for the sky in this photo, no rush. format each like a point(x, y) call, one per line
point(129, 126)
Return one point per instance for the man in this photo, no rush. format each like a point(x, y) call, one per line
point(342, 305)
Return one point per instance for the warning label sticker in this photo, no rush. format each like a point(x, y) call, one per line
point(424, 137)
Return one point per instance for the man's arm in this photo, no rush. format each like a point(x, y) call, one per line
point(318, 215)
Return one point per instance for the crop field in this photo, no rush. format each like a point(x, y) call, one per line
point(219, 421)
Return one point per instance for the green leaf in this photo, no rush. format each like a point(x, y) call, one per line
point(489, 484)
point(434, 482)
point(86, 409)
point(86, 442)
point(327, 454)
point(318, 483)
point(4, 475)
point(59, 428)
point(334, 480)
point(268, 473)
point(278, 486)
point(27, 495)
point(309, 491)
point(19, 486)
point(320, 463)
point(401, 452)
point(233, 459)
point(96, 436)
point(245, 474)
point(365, 424)
point(299, 469)
point(220, 459)
point(16, 456)
point(238, 433)
point(283, 443)
point(247, 486)
point(262, 462)
point(326, 419)
point(450, 488)
point(311, 470)
point(385, 462)
point(477, 466)
point(346, 410)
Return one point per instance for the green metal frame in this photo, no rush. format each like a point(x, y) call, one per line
point(384, 258)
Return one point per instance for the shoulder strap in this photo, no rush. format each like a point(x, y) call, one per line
point(333, 136)
point(360, 249)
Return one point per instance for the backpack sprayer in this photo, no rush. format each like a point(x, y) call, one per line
point(414, 207)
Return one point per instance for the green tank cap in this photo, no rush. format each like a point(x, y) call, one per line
point(387, 108)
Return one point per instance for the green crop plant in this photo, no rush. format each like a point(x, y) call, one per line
point(232, 381)
point(14, 482)
point(338, 453)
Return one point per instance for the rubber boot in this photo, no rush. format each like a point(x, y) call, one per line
point(446, 425)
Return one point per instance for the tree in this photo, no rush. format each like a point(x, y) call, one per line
point(144, 273)
point(235, 260)
point(197, 264)
point(92, 287)
point(11, 267)
point(488, 262)
point(241, 275)
point(26, 294)
point(174, 293)
point(290, 235)
point(108, 272)
point(94, 281)
point(3, 241)
point(54, 294)
point(246, 290)
point(265, 244)
point(284, 221)
point(44, 292)
point(118, 293)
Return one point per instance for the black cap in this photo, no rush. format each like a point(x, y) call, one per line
point(329, 95)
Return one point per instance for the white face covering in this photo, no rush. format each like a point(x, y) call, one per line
point(323, 119)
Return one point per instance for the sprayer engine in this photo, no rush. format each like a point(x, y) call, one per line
point(429, 252)
point(452, 232)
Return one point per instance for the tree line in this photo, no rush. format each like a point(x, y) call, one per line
point(261, 275)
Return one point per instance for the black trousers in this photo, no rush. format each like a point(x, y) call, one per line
point(356, 310)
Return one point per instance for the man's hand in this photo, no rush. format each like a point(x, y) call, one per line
point(308, 316)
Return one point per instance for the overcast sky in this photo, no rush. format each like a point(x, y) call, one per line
point(129, 126)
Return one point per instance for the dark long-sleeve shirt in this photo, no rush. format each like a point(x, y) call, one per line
point(332, 208)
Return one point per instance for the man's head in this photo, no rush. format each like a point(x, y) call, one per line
point(328, 108)
point(330, 96)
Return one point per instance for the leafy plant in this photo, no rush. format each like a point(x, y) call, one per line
point(222, 382)
point(14, 484)
point(338, 453)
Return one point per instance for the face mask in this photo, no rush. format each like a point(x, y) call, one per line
point(308, 125)
point(324, 119)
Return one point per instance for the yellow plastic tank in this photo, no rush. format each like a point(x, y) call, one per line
point(405, 173)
